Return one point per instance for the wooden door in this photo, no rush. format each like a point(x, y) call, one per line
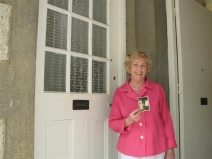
point(77, 58)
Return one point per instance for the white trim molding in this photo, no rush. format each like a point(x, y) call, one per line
point(173, 71)
point(121, 43)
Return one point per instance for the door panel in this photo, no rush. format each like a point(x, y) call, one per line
point(78, 138)
point(194, 36)
point(60, 133)
point(96, 137)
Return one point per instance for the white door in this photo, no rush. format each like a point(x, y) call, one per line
point(77, 57)
point(194, 39)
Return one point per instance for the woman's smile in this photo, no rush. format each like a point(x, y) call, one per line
point(138, 69)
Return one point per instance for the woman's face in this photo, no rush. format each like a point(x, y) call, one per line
point(138, 69)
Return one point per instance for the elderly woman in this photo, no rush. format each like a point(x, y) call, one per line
point(140, 114)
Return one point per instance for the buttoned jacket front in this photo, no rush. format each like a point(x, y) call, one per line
point(154, 132)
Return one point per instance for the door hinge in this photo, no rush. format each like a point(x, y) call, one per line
point(178, 88)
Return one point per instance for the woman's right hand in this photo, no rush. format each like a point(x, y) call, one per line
point(135, 115)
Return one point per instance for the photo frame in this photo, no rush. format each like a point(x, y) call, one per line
point(143, 104)
point(2, 138)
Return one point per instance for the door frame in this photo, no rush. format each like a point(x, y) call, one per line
point(121, 44)
point(172, 65)
point(172, 34)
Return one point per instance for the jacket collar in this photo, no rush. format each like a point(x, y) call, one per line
point(131, 93)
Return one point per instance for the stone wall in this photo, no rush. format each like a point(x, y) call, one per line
point(17, 80)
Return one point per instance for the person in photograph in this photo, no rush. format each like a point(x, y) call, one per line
point(142, 134)
point(143, 103)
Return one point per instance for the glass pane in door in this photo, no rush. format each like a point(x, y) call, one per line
point(79, 36)
point(56, 29)
point(55, 72)
point(99, 41)
point(79, 75)
point(99, 77)
point(100, 11)
point(81, 7)
point(59, 3)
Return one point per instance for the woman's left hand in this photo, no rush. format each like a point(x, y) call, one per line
point(169, 154)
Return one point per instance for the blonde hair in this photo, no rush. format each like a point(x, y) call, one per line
point(135, 55)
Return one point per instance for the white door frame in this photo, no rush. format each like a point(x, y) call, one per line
point(172, 61)
point(121, 44)
point(173, 72)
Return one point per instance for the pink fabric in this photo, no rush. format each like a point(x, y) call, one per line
point(153, 133)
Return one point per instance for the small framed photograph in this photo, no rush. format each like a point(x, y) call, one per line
point(2, 137)
point(143, 103)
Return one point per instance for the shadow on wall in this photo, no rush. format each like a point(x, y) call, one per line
point(206, 3)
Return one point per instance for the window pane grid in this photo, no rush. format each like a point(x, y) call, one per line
point(80, 29)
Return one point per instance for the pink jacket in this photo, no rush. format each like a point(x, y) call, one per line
point(153, 133)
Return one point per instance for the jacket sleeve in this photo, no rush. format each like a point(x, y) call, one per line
point(167, 120)
point(116, 121)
